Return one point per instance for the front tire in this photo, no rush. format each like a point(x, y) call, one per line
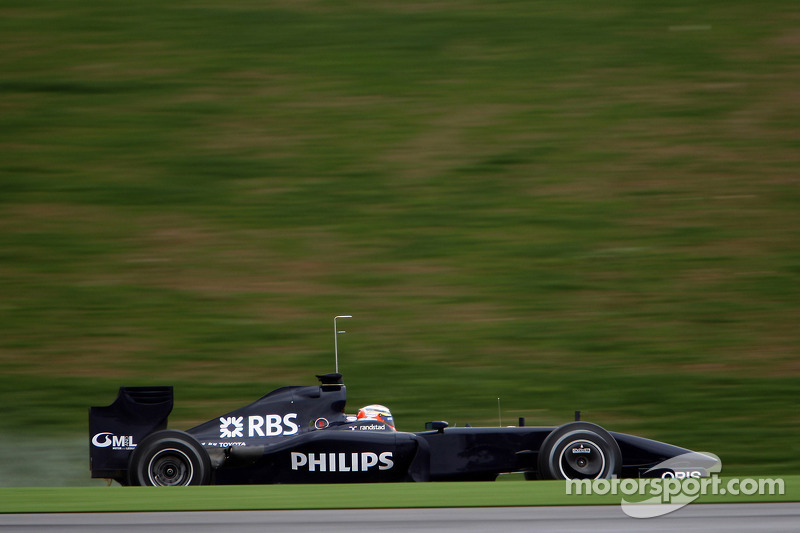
point(169, 458)
point(579, 450)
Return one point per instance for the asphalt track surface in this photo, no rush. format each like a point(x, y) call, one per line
point(729, 518)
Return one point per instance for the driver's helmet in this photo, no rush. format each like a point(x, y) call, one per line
point(376, 412)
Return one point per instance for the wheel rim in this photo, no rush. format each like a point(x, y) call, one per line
point(582, 459)
point(170, 467)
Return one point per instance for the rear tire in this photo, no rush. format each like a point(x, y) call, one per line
point(579, 450)
point(169, 458)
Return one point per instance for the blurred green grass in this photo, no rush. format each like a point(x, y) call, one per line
point(568, 206)
point(341, 496)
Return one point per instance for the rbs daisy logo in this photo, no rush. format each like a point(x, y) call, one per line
point(230, 427)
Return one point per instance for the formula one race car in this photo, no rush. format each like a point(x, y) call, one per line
point(301, 435)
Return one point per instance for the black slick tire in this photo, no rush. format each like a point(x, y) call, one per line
point(169, 458)
point(579, 450)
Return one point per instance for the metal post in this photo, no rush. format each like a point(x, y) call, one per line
point(499, 414)
point(336, 338)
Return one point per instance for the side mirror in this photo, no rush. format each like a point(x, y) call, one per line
point(438, 425)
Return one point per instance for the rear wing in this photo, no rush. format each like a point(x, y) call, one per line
point(116, 429)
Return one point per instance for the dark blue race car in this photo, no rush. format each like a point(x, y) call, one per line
point(302, 435)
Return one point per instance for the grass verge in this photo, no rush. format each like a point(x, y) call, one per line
point(355, 496)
